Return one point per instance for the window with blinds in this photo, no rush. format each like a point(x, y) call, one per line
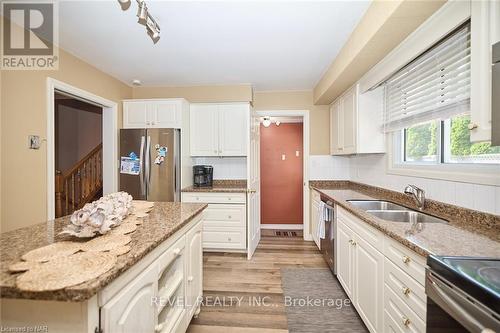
point(436, 85)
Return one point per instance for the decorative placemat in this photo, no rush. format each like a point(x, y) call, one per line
point(105, 243)
point(52, 251)
point(118, 251)
point(22, 266)
point(125, 228)
point(65, 272)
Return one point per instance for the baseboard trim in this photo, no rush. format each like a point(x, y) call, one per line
point(282, 226)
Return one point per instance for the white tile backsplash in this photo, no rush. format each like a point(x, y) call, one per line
point(326, 167)
point(371, 169)
point(225, 167)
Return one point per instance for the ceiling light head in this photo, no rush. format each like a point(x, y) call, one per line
point(142, 13)
point(136, 82)
point(153, 30)
point(125, 4)
point(277, 122)
point(266, 122)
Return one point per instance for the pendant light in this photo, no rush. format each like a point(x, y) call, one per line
point(142, 13)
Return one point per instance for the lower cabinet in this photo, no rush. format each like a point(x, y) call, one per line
point(121, 312)
point(165, 295)
point(382, 278)
point(224, 221)
point(360, 270)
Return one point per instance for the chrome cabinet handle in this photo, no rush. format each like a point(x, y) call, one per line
point(406, 321)
point(406, 291)
point(406, 259)
point(177, 251)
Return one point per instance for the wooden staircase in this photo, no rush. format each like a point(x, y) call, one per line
point(81, 184)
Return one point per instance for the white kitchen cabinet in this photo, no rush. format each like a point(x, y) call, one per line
point(345, 257)
point(219, 129)
point(383, 278)
point(194, 286)
point(356, 122)
point(485, 31)
point(368, 279)
point(224, 221)
point(315, 199)
point(154, 113)
point(120, 314)
point(204, 130)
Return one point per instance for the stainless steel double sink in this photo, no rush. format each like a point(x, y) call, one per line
point(390, 211)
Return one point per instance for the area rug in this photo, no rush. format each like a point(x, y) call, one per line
point(316, 303)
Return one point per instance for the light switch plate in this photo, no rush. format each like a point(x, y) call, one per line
point(34, 142)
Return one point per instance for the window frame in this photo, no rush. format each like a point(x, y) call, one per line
point(486, 174)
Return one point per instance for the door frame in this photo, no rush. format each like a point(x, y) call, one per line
point(305, 177)
point(109, 138)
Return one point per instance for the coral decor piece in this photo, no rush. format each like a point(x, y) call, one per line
point(97, 218)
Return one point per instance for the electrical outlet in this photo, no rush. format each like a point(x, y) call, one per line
point(34, 142)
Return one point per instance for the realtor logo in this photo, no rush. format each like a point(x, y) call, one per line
point(29, 33)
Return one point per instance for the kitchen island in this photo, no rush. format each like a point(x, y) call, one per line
point(164, 263)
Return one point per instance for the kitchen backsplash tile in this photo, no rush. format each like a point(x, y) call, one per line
point(371, 169)
point(326, 167)
point(225, 167)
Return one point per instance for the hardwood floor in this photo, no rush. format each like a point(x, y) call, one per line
point(245, 296)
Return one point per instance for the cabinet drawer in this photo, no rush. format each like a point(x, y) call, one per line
point(214, 197)
point(371, 235)
point(410, 262)
point(224, 238)
point(402, 317)
point(407, 289)
point(221, 215)
point(174, 252)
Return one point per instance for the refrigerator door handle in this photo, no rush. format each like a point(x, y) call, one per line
point(141, 166)
point(148, 164)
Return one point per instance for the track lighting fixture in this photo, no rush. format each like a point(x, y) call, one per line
point(144, 18)
point(142, 13)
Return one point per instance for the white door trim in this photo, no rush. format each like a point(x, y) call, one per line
point(306, 139)
point(109, 139)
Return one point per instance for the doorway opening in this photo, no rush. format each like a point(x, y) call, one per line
point(108, 155)
point(284, 158)
point(78, 153)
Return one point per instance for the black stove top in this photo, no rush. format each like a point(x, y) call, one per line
point(478, 277)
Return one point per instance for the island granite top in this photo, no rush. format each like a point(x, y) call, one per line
point(162, 222)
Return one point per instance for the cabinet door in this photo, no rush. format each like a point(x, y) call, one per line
point(165, 114)
point(349, 121)
point(344, 257)
point(194, 286)
point(314, 222)
point(368, 283)
point(135, 114)
point(204, 130)
point(335, 128)
point(122, 312)
point(233, 129)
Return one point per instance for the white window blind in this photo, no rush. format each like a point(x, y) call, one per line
point(436, 85)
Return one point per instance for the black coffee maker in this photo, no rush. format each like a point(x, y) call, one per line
point(203, 175)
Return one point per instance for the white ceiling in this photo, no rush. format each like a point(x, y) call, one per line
point(271, 45)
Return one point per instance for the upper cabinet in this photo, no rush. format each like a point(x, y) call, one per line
point(154, 113)
point(485, 31)
point(356, 122)
point(219, 129)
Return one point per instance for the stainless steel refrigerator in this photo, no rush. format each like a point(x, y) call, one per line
point(150, 163)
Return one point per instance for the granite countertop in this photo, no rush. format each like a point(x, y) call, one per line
point(163, 221)
point(221, 186)
point(468, 233)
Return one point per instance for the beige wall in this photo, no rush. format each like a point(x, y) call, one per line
point(319, 115)
point(198, 94)
point(23, 112)
point(384, 25)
